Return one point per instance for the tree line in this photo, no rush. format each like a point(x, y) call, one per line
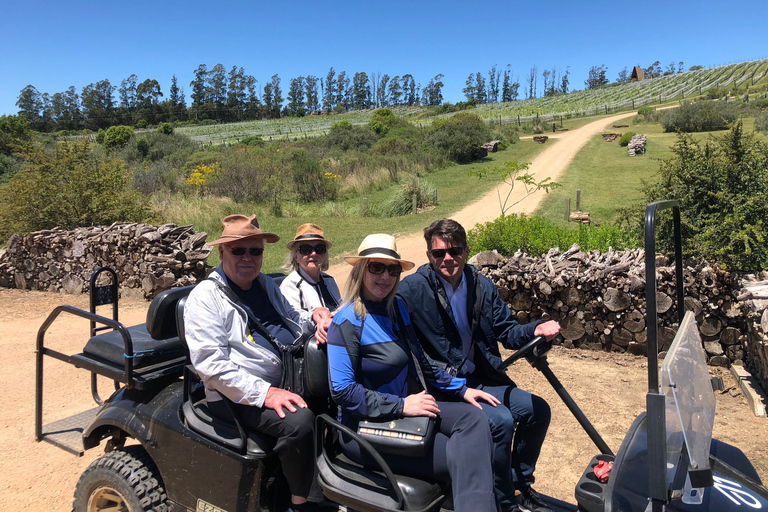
point(220, 95)
point(597, 76)
point(228, 96)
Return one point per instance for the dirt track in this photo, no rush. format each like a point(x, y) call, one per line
point(611, 388)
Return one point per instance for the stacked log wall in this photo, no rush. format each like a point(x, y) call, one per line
point(145, 257)
point(599, 300)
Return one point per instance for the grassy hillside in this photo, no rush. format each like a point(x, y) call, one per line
point(611, 98)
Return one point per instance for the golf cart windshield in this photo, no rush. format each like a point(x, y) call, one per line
point(690, 401)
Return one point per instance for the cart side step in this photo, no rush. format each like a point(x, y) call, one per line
point(68, 433)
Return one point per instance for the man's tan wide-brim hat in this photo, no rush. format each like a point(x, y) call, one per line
point(380, 246)
point(308, 233)
point(240, 227)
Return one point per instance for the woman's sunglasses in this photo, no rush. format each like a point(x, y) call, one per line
point(306, 249)
point(376, 268)
point(240, 251)
point(455, 252)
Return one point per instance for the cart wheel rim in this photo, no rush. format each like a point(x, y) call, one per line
point(107, 499)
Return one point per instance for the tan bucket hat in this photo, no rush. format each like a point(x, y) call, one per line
point(240, 227)
point(307, 233)
point(382, 246)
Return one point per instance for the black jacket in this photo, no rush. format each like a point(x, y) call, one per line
point(491, 322)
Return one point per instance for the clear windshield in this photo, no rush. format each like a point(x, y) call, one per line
point(690, 401)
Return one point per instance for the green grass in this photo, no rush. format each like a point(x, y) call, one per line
point(455, 188)
point(610, 179)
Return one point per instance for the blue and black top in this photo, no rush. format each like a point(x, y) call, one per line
point(371, 366)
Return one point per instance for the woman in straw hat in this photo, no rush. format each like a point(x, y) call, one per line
point(239, 360)
point(307, 287)
point(370, 365)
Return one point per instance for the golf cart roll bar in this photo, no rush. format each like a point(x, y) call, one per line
point(655, 400)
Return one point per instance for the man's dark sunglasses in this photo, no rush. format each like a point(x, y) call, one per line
point(455, 252)
point(253, 251)
point(377, 269)
point(306, 249)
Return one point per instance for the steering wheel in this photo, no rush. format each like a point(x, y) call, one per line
point(532, 350)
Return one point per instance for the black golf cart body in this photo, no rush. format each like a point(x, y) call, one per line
point(185, 459)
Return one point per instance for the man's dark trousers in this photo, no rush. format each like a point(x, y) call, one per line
point(531, 414)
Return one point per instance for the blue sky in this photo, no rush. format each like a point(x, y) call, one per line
point(54, 45)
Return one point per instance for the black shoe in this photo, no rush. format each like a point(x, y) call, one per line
point(529, 501)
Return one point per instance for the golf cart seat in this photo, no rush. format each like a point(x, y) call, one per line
point(150, 344)
point(198, 417)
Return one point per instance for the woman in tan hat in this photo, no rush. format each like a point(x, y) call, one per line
point(307, 287)
point(370, 358)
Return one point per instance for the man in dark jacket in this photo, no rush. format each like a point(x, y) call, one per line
point(460, 318)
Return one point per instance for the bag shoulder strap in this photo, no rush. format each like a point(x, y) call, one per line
point(253, 322)
point(404, 333)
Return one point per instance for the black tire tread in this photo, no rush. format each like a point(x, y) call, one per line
point(133, 465)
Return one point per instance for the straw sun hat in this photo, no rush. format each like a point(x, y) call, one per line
point(240, 227)
point(308, 233)
point(379, 246)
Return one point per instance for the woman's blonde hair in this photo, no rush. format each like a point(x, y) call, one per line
point(292, 265)
point(354, 290)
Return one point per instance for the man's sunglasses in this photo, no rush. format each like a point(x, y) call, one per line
point(455, 252)
point(306, 249)
point(253, 251)
point(376, 268)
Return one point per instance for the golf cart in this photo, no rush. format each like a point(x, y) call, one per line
point(166, 451)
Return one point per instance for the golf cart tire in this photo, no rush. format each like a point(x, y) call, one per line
point(128, 474)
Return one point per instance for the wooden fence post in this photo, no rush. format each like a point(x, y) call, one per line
point(415, 203)
point(578, 200)
point(567, 209)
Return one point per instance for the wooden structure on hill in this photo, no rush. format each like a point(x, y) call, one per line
point(637, 73)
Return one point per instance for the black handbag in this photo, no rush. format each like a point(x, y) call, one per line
point(409, 436)
point(292, 355)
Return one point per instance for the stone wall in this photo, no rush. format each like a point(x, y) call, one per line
point(145, 257)
point(599, 300)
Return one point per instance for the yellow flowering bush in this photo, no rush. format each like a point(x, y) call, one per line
point(202, 174)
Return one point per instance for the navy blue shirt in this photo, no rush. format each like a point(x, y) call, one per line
point(257, 301)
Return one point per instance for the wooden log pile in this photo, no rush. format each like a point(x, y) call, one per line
point(150, 258)
point(610, 137)
point(754, 293)
point(636, 145)
point(599, 299)
point(540, 139)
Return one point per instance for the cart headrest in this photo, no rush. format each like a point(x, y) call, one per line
point(161, 315)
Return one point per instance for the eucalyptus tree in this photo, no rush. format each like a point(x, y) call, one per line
point(98, 105)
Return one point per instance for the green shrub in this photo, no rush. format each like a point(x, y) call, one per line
point(142, 146)
point(701, 116)
point(345, 137)
point(761, 122)
point(100, 136)
point(722, 186)
point(402, 202)
point(253, 140)
point(535, 235)
point(646, 110)
point(458, 136)
point(9, 166)
point(761, 103)
point(625, 138)
point(383, 120)
point(165, 128)
point(15, 134)
point(311, 180)
point(117, 136)
point(70, 188)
